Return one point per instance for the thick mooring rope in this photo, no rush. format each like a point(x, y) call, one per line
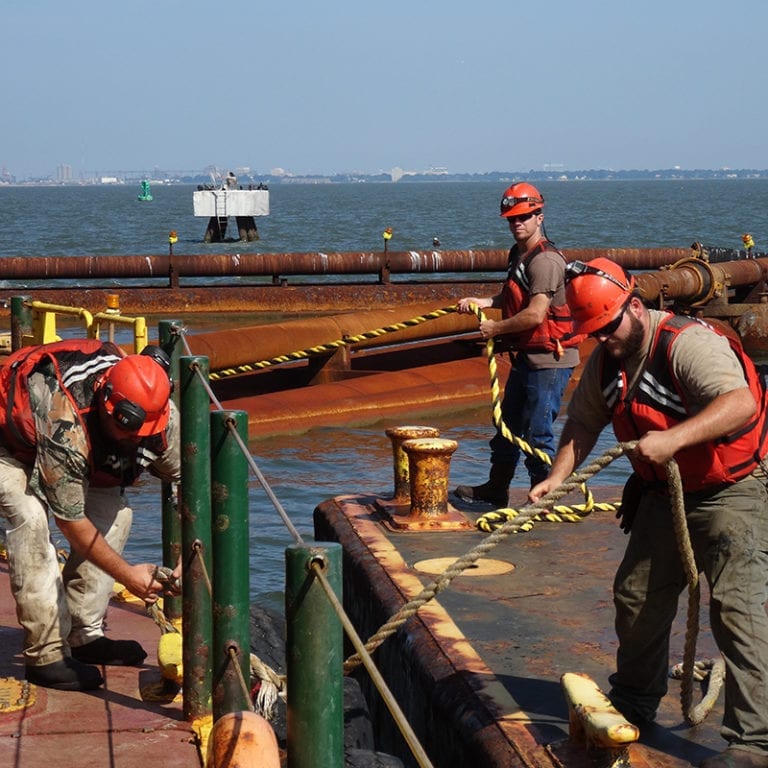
point(690, 668)
point(515, 525)
point(503, 522)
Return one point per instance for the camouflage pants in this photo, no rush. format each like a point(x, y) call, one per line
point(56, 607)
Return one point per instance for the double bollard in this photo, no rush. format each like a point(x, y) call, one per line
point(421, 463)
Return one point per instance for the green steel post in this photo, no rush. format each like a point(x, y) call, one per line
point(170, 342)
point(196, 537)
point(314, 650)
point(231, 609)
point(21, 321)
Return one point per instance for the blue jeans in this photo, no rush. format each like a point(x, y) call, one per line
point(531, 404)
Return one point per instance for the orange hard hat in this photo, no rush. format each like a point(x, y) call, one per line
point(136, 393)
point(596, 292)
point(520, 198)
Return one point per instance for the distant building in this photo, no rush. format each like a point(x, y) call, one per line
point(64, 173)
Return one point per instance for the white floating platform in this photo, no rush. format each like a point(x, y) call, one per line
point(231, 202)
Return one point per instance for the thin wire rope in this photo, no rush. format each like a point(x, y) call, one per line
point(244, 448)
point(397, 714)
point(376, 677)
point(232, 652)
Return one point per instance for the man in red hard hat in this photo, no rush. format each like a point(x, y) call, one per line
point(536, 324)
point(685, 391)
point(79, 422)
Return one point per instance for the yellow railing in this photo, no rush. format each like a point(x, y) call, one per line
point(44, 323)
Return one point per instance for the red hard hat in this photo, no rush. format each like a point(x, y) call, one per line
point(136, 393)
point(520, 198)
point(596, 292)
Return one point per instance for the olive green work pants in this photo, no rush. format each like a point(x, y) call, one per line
point(729, 535)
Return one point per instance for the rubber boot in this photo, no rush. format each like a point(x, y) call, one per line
point(495, 491)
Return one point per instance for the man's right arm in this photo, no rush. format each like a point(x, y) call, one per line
point(87, 541)
point(575, 445)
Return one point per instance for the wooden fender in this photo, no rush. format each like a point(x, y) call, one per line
point(241, 739)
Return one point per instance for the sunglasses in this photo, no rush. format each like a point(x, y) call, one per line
point(610, 328)
point(523, 216)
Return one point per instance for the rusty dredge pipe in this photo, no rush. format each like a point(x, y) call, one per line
point(690, 282)
point(176, 266)
point(219, 282)
point(696, 283)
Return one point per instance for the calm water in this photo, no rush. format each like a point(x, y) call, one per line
point(351, 217)
point(305, 470)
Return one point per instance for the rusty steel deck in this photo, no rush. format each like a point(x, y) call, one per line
point(121, 725)
point(477, 670)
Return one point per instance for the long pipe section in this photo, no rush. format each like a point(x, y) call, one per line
point(226, 349)
point(270, 264)
point(692, 281)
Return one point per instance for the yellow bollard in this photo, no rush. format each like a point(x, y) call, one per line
point(398, 435)
point(429, 459)
point(595, 724)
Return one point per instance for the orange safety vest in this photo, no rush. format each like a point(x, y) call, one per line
point(556, 330)
point(659, 403)
point(77, 364)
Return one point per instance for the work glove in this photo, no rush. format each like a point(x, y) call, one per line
point(630, 501)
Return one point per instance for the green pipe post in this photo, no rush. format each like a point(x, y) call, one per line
point(170, 342)
point(315, 737)
point(21, 321)
point(196, 537)
point(231, 594)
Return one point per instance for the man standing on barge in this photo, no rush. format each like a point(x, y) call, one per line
point(79, 422)
point(536, 323)
point(682, 390)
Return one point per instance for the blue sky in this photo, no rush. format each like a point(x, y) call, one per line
point(366, 86)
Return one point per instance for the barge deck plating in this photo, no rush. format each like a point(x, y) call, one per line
point(477, 670)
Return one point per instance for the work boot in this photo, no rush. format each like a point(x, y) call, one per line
point(117, 653)
point(734, 757)
point(65, 675)
point(495, 491)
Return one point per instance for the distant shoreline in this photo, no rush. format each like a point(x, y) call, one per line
point(244, 181)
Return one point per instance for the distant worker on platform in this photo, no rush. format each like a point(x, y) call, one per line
point(536, 324)
point(682, 390)
point(79, 422)
point(749, 243)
